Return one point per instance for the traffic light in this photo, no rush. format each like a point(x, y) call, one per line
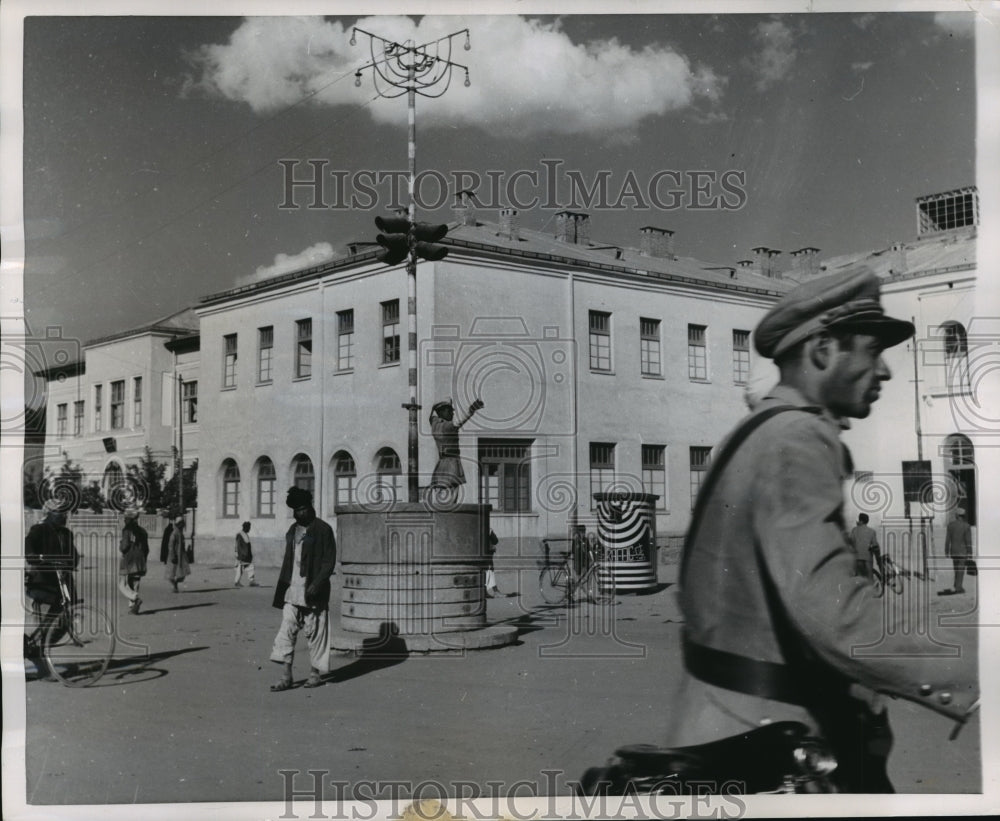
point(399, 232)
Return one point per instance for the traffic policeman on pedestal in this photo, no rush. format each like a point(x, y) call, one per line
point(777, 625)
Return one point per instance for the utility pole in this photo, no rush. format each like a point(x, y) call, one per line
point(916, 398)
point(425, 69)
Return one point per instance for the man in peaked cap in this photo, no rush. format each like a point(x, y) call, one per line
point(303, 590)
point(773, 610)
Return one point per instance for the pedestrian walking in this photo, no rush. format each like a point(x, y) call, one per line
point(303, 591)
point(134, 549)
point(492, 591)
point(165, 540)
point(178, 568)
point(448, 474)
point(864, 543)
point(48, 549)
point(958, 545)
point(244, 556)
point(772, 617)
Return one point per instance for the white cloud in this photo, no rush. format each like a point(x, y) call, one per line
point(286, 263)
point(777, 54)
point(861, 68)
point(527, 76)
point(957, 23)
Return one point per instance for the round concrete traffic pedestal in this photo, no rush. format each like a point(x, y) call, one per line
point(413, 577)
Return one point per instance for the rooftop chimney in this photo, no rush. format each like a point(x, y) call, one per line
point(805, 261)
point(765, 259)
point(898, 264)
point(573, 227)
point(508, 224)
point(656, 242)
point(465, 208)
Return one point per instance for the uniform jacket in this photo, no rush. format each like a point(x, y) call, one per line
point(319, 558)
point(48, 548)
point(770, 576)
point(958, 538)
point(134, 548)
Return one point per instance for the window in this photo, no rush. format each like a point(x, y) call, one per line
point(654, 473)
point(600, 341)
point(98, 407)
point(741, 357)
point(602, 469)
point(61, 415)
point(230, 489)
point(266, 479)
point(265, 347)
point(953, 209)
point(114, 483)
point(345, 340)
point(78, 417)
point(137, 402)
point(390, 332)
point(388, 476)
point(345, 476)
point(956, 355)
point(505, 474)
point(649, 347)
point(700, 458)
point(697, 356)
point(118, 405)
point(229, 361)
point(189, 401)
point(303, 475)
point(303, 348)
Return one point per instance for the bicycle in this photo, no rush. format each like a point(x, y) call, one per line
point(886, 574)
point(576, 569)
point(76, 642)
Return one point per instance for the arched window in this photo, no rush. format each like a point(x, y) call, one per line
point(388, 475)
point(114, 488)
point(956, 355)
point(266, 479)
point(303, 475)
point(230, 489)
point(345, 475)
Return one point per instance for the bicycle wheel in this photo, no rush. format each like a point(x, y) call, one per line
point(877, 583)
point(600, 586)
point(79, 646)
point(554, 582)
point(896, 580)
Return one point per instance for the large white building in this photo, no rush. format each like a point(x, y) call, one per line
point(124, 395)
point(600, 367)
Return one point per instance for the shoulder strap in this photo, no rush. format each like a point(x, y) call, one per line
point(719, 463)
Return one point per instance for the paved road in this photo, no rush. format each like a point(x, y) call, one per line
point(195, 721)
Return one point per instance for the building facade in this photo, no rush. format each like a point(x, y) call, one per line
point(600, 367)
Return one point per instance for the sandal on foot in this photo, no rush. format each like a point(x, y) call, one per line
point(281, 686)
point(313, 681)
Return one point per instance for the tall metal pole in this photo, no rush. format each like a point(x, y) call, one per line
point(180, 447)
point(916, 398)
point(413, 69)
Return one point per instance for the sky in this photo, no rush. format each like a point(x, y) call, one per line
point(153, 145)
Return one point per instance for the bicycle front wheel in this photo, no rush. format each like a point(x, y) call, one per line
point(600, 584)
point(79, 646)
point(897, 581)
point(554, 583)
point(878, 584)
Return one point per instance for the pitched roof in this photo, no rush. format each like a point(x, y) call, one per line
point(180, 323)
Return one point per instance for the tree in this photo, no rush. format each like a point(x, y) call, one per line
point(147, 482)
point(190, 488)
point(71, 489)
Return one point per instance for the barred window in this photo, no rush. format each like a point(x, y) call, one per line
point(230, 489)
point(505, 474)
point(600, 341)
point(741, 357)
point(303, 348)
point(78, 409)
point(266, 480)
point(345, 477)
point(98, 407)
point(229, 361)
point(303, 475)
point(654, 473)
point(697, 353)
point(388, 476)
point(265, 352)
point(649, 347)
point(189, 401)
point(390, 332)
point(62, 412)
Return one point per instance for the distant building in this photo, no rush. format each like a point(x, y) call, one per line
point(601, 367)
point(125, 394)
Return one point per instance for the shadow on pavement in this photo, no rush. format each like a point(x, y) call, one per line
point(387, 649)
point(136, 669)
point(179, 607)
